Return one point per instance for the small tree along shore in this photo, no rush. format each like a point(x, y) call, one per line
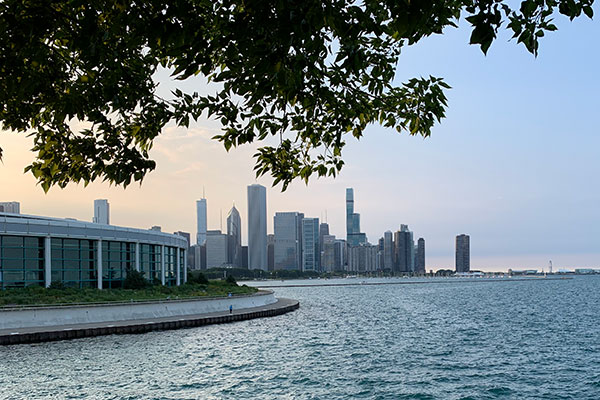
point(80, 76)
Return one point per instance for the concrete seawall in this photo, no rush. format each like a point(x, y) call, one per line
point(30, 317)
point(74, 331)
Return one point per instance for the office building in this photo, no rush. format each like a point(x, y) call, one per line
point(340, 254)
point(234, 236)
point(463, 257)
point(257, 227)
point(271, 252)
point(13, 207)
point(353, 235)
point(288, 240)
point(310, 244)
point(404, 250)
point(363, 258)
point(328, 253)
point(201, 221)
point(420, 258)
point(388, 251)
point(37, 250)
point(216, 249)
point(101, 212)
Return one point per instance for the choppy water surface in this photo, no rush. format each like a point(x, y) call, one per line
point(460, 340)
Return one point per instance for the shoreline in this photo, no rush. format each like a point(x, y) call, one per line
point(138, 326)
point(440, 281)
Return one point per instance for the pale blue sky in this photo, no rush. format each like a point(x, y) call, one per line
point(515, 163)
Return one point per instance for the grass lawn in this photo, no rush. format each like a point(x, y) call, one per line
point(35, 295)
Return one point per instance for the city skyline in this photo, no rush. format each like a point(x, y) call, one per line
point(513, 164)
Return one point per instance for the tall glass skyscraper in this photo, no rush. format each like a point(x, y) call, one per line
point(234, 235)
point(201, 221)
point(310, 244)
point(288, 240)
point(353, 235)
point(257, 227)
point(463, 253)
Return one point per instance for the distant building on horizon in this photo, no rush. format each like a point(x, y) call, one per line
point(404, 250)
point(257, 227)
point(13, 207)
point(101, 212)
point(288, 240)
point(363, 258)
point(420, 257)
point(234, 237)
point(216, 249)
point(463, 253)
point(310, 244)
point(201, 221)
point(354, 237)
point(271, 252)
point(186, 235)
point(328, 253)
point(388, 250)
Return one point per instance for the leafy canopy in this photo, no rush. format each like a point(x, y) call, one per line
point(308, 73)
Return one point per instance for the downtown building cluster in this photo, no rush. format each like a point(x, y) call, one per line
point(302, 243)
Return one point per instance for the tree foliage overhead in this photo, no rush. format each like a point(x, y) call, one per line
point(308, 73)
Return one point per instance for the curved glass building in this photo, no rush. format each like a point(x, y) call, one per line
point(40, 250)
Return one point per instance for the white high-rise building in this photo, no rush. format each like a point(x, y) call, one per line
point(257, 227)
point(201, 221)
point(101, 212)
point(13, 207)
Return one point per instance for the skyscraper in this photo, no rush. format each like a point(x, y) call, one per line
point(101, 212)
point(420, 259)
point(310, 244)
point(353, 235)
point(201, 221)
point(257, 227)
point(463, 256)
point(288, 240)
point(328, 253)
point(216, 249)
point(234, 235)
point(388, 251)
point(404, 250)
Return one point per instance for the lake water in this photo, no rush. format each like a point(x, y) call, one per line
point(458, 340)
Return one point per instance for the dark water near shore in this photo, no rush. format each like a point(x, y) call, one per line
point(521, 339)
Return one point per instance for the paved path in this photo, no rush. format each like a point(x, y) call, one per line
point(51, 333)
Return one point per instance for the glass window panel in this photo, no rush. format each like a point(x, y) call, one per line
point(33, 242)
point(71, 243)
point(72, 254)
point(34, 253)
point(13, 275)
point(12, 241)
point(12, 263)
point(34, 276)
point(55, 276)
point(56, 254)
point(13, 252)
point(56, 242)
point(71, 264)
point(71, 275)
point(34, 264)
point(115, 246)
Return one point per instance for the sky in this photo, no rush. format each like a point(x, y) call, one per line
point(515, 164)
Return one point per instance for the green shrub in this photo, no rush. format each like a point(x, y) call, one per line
point(231, 280)
point(134, 280)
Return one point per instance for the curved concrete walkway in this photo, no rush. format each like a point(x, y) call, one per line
point(62, 332)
